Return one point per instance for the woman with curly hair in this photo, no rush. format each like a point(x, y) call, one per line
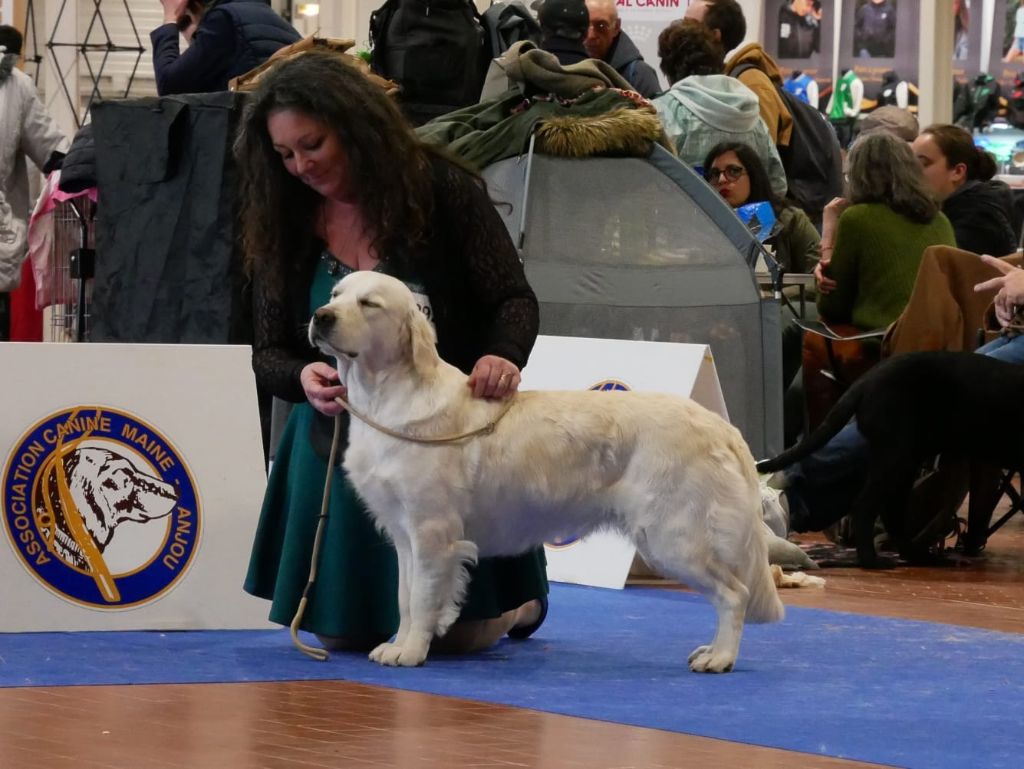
point(873, 240)
point(333, 181)
point(704, 107)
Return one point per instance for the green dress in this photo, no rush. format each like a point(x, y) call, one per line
point(356, 591)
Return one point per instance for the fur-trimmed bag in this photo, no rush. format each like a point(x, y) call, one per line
point(337, 46)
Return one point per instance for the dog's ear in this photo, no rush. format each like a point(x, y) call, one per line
point(422, 340)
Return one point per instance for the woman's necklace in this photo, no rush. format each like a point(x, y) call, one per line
point(348, 246)
point(334, 267)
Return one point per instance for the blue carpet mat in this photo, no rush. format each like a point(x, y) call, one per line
point(911, 694)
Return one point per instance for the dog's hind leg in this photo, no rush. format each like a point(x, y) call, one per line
point(671, 553)
point(885, 494)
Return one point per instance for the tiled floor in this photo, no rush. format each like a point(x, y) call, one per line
point(336, 724)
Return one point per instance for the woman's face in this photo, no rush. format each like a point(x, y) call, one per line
point(310, 150)
point(941, 178)
point(729, 176)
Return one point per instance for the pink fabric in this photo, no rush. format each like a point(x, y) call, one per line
point(40, 239)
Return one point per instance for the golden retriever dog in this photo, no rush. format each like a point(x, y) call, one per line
point(666, 472)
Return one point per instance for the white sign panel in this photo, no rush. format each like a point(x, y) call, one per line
point(572, 363)
point(131, 479)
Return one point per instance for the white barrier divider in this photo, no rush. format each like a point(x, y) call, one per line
point(575, 363)
point(131, 479)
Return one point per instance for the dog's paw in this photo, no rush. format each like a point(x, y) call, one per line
point(386, 654)
point(703, 659)
point(878, 562)
point(395, 655)
point(412, 656)
point(697, 652)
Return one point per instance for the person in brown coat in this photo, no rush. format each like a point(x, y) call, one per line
point(725, 19)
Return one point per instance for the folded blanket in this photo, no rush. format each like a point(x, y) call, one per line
point(537, 71)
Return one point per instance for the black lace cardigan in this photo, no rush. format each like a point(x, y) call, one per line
point(481, 300)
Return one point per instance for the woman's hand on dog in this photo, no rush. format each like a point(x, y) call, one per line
point(494, 377)
point(320, 383)
point(1010, 285)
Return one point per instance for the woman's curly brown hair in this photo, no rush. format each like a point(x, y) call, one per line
point(686, 47)
point(387, 164)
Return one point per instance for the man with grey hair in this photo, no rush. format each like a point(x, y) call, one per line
point(606, 41)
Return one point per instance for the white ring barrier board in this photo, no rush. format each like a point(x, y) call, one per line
point(573, 363)
point(132, 478)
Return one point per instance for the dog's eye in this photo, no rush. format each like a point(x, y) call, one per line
point(368, 303)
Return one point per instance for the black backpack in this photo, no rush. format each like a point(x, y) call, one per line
point(813, 161)
point(508, 23)
point(434, 49)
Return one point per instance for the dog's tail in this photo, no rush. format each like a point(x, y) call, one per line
point(763, 602)
point(835, 420)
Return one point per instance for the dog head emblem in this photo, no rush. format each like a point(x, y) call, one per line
point(106, 490)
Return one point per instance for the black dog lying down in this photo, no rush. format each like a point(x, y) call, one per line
point(909, 409)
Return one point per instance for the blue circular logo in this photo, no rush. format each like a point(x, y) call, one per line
point(101, 508)
point(605, 385)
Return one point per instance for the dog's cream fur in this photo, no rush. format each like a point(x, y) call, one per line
point(673, 476)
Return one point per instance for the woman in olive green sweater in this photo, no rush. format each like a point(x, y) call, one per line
point(873, 240)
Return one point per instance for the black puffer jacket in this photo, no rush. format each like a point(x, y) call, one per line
point(79, 169)
point(566, 50)
point(233, 37)
point(980, 213)
point(626, 58)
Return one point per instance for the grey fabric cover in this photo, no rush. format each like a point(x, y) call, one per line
point(628, 248)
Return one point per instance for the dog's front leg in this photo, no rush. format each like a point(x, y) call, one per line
point(436, 582)
point(387, 653)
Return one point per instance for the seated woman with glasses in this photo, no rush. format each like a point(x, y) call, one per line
point(734, 169)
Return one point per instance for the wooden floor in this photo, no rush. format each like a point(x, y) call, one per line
point(335, 724)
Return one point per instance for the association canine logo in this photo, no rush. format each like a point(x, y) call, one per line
point(101, 508)
point(609, 385)
point(605, 385)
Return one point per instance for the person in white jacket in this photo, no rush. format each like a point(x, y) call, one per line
point(25, 131)
point(704, 107)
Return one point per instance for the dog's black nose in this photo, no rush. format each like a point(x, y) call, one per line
point(323, 319)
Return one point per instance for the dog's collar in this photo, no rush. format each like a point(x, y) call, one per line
point(487, 429)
